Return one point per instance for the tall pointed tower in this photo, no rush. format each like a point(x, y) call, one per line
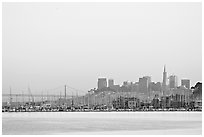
point(164, 80)
point(164, 76)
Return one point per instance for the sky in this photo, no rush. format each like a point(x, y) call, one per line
point(48, 45)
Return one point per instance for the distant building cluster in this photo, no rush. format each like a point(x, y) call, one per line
point(159, 94)
point(145, 88)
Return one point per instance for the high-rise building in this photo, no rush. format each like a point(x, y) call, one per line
point(164, 76)
point(149, 82)
point(148, 79)
point(173, 83)
point(110, 83)
point(143, 85)
point(102, 83)
point(164, 81)
point(186, 83)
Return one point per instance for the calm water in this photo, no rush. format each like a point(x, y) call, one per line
point(102, 123)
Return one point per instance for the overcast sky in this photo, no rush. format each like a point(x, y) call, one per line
point(47, 45)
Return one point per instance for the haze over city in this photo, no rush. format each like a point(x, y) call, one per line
point(46, 45)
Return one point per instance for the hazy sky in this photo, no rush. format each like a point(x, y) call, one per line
point(47, 45)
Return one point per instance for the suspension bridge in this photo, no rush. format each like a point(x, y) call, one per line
point(63, 92)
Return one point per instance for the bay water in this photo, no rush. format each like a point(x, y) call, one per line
point(66, 123)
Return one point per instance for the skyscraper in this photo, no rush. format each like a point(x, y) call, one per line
point(186, 83)
point(173, 83)
point(110, 83)
point(164, 81)
point(149, 83)
point(102, 83)
point(164, 76)
point(144, 84)
point(148, 78)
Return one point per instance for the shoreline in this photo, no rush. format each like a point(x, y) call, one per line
point(108, 111)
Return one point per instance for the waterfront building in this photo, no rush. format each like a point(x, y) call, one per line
point(126, 103)
point(155, 103)
point(119, 103)
point(165, 102)
point(181, 90)
point(186, 83)
point(102, 83)
point(133, 103)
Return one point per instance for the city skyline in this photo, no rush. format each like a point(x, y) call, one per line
point(168, 80)
point(106, 82)
point(45, 45)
